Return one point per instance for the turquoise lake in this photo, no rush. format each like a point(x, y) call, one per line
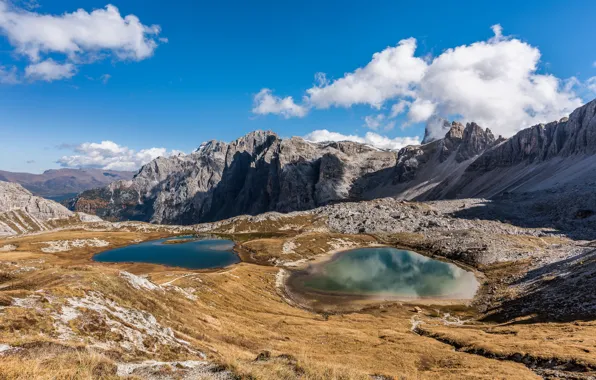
point(386, 271)
point(193, 254)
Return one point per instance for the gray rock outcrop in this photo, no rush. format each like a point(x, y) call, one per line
point(22, 212)
point(261, 172)
point(535, 159)
point(256, 173)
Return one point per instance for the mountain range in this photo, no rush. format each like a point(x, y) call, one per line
point(59, 184)
point(262, 172)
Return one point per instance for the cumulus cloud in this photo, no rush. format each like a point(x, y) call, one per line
point(399, 108)
point(80, 36)
point(378, 122)
point(376, 82)
point(49, 70)
point(494, 82)
point(421, 110)
point(8, 75)
point(436, 128)
point(265, 103)
point(591, 85)
point(370, 138)
point(111, 156)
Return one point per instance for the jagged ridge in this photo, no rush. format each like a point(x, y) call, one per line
point(261, 172)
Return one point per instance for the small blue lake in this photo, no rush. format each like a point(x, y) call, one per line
point(184, 252)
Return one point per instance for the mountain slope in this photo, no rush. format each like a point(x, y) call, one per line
point(61, 183)
point(422, 167)
point(256, 173)
point(261, 172)
point(22, 212)
point(537, 158)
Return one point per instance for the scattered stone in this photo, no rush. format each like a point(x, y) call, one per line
point(8, 248)
point(138, 282)
point(263, 356)
point(67, 245)
point(189, 369)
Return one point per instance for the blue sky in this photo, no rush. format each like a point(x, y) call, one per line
point(201, 83)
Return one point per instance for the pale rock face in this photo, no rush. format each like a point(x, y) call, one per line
point(420, 169)
point(256, 173)
point(21, 212)
point(13, 196)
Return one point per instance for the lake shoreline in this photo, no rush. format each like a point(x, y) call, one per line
point(289, 284)
point(182, 255)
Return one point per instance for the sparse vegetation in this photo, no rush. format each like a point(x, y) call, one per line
point(83, 313)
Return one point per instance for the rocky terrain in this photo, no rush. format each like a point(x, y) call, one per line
point(257, 173)
point(530, 244)
point(533, 316)
point(261, 172)
point(539, 158)
point(22, 212)
point(58, 184)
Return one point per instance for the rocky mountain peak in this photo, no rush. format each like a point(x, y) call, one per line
point(254, 139)
point(475, 141)
point(261, 172)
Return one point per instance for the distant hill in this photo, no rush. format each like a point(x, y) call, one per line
point(59, 184)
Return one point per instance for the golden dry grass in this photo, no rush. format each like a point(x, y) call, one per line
point(305, 246)
point(238, 314)
point(47, 361)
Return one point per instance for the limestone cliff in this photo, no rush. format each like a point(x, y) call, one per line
point(261, 172)
point(256, 173)
point(22, 212)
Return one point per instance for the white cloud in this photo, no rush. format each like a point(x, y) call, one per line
point(8, 75)
point(105, 78)
point(109, 155)
point(591, 85)
point(374, 121)
point(399, 108)
point(495, 83)
point(80, 36)
point(378, 122)
point(498, 34)
point(30, 4)
point(49, 70)
point(421, 110)
point(436, 128)
point(266, 103)
point(370, 138)
point(390, 73)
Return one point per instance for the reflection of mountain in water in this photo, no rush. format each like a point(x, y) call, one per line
point(192, 254)
point(391, 271)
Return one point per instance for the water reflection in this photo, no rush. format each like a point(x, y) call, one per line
point(390, 271)
point(193, 254)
